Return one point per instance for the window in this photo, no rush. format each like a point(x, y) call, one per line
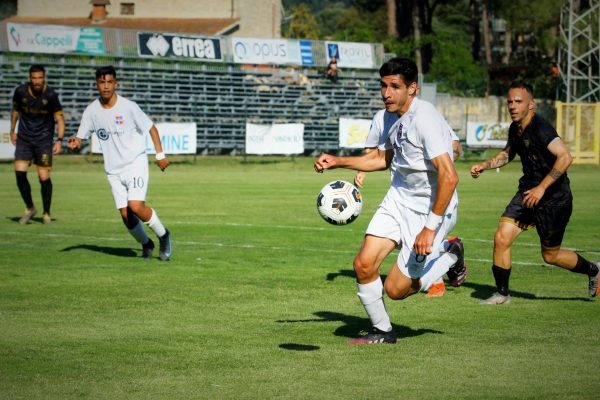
point(127, 8)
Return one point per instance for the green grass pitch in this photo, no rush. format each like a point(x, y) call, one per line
point(259, 298)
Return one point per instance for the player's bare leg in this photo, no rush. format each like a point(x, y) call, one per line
point(136, 229)
point(370, 289)
point(505, 236)
point(149, 217)
point(573, 262)
point(46, 190)
point(21, 168)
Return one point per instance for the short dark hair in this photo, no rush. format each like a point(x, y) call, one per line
point(521, 84)
point(108, 70)
point(37, 68)
point(400, 66)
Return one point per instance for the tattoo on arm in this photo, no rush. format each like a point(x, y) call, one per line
point(499, 160)
point(555, 174)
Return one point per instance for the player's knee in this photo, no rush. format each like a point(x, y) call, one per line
point(396, 292)
point(362, 268)
point(550, 257)
point(501, 241)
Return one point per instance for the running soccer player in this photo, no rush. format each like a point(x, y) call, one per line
point(419, 208)
point(121, 126)
point(37, 108)
point(378, 133)
point(543, 199)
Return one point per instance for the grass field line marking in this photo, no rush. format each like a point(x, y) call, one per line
point(245, 246)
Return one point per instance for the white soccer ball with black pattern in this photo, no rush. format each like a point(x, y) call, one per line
point(339, 202)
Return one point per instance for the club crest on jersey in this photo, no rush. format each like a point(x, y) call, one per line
point(119, 120)
point(102, 134)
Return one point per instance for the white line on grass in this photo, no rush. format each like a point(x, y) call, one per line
point(243, 246)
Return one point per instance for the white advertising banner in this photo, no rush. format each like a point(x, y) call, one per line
point(490, 134)
point(176, 138)
point(7, 150)
point(284, 139)
point(54, 39)
point(354, 132)
point(351, 55)
point(266, 51)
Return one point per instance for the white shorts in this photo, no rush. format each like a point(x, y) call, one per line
point(131, 183)
point(402, 225)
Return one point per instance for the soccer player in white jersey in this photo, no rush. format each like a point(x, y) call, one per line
point(378, 133)
point(419, 207)
point(121, 127)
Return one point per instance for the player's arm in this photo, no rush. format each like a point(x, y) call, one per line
point(563, 160)
point(377, 160)
point(457, 149)
point(161, 159)
point(60, 134)
point(447, 182)
point(14, 117)
point(359, 179)
point(503, 157)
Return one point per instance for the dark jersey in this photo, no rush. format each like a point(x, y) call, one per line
point(36, 114)
point(536, 159)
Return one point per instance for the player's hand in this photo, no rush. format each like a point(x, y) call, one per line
point(423, 242)
point(325, 161)
point(13, 138)
point(162, 164)
point(74, 143)
point(57, 147)
point(476, 170)
point(359, 179)
point(533, 196)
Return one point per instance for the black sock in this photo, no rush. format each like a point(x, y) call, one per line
point(46, 188)
point(501, 276)
point(24, 188)
point(585, 267)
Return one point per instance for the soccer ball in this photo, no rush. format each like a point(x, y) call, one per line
point(339, 202)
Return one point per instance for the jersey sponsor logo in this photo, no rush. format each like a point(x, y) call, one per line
point(119, 120)
point(102, 134)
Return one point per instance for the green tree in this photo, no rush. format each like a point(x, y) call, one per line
point(303, 24)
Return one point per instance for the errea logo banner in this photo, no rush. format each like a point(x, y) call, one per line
point(158, 45)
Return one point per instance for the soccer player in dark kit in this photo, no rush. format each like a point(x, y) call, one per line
point(543, 200)
point(37, 109)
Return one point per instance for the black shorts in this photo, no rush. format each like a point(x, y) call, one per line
point(38, 150)
point(550, 219)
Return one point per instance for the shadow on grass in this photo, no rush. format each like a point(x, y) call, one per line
point(354, 326)
point(298, 347)
point(484, 291)
point(34, 219)
point(346, 273)
point(112, 251)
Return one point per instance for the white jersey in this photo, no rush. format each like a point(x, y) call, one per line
point(419, 136)
point(121, 132)
point(380, 126)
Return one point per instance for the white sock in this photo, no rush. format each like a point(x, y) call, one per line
point(139, 233)
point(436, 269)
point(444, 246)
point(371, 297)
point(155, 224)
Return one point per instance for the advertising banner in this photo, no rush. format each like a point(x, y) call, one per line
point(31, 38)
point(284, 139)
point(354, 132)
point(176, 138)
point(7, 150)
point(159, 45)
point(490, 134)
point(270, 51)
point(351, 55)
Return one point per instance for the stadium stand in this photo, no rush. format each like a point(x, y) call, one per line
point(219, 98)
